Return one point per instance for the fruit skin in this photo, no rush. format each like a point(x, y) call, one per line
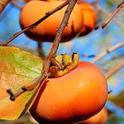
point(75, 96)
point(46, 30)
point(89, 16)
point(27, 0)
point(99, 118)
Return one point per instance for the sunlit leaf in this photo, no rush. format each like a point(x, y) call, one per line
point(17, 68)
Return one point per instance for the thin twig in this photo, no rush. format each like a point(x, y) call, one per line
point(51, 54)
point(23, 89)
point(14, 2)
point(40, 49)
point(59, 34)
point(107, 51)
point(3, 4)
point(116, 11)
point(108, 14)
point(95, 3)
point(114, 70)
point(5, 43)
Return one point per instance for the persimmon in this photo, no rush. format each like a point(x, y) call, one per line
point(89, 16)
point(99, 118)
point(46, 30)
point(78, 95)
point(83, 19)
point(27, 0)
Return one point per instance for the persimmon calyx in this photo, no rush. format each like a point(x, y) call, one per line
point(63, 64)
point(60, 65)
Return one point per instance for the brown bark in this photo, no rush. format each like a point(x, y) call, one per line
point(3, 4)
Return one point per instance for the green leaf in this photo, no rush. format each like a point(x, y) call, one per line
point(17, 68)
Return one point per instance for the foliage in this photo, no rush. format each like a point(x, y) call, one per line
point(91, 44)
point(17, 68)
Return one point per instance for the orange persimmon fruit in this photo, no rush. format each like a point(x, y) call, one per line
point(83, 19)
point(99, 118)
point(46, 30)
point(27, 0)
point(75, 96)
point(89, 16)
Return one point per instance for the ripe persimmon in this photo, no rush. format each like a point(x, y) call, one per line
point(27, 0)
point(99, 118)
point(89, 16)
point(75, 96)
point(46, 30)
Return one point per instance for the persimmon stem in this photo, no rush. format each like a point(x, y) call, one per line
point(115, 12)
point(5, 43)
point(57, 64)
point(39, 83)
point(59, 34)
point(65, 65)
point(107, 51)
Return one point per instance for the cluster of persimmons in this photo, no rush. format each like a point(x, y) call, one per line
point(82, 92)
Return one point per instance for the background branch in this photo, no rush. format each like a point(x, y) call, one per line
point(15, 3)
point(116, 11)
point(5, 43)
point(40, 51)
point(3, 4)
point(114, 70)
point(107, 51)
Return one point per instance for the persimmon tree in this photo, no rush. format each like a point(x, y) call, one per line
point(56, 88)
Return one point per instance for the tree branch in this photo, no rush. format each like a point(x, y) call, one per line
point(42, 79)
point(3, 4)
point(114, 70)
point(115, 12)
point(5, 43)
point(40, 51)
point(107, 51)
point(15, 3)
